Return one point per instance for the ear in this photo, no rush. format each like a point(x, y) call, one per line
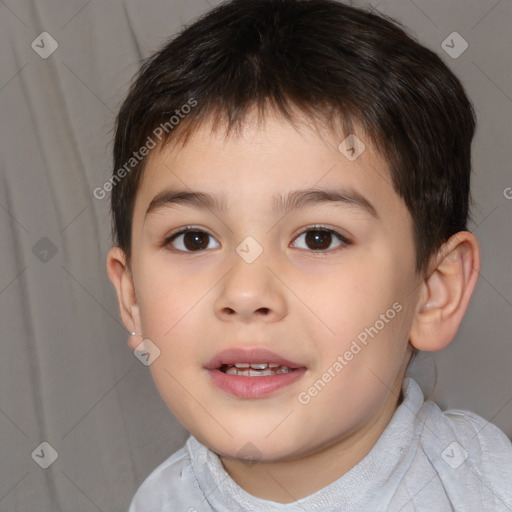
point(445, 293)
point(120, 274)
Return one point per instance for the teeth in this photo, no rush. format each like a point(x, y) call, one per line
point(244, 372)
point(258, 366)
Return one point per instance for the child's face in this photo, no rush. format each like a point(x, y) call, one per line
point(305, 305)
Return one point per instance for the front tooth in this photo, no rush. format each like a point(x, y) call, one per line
point(242, 365)
point(261, 373)
point(258, 366)
point(273, 365)
point(251, 372)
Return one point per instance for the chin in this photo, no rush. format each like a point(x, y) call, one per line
point(248, 448)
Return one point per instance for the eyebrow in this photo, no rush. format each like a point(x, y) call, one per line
point(280, 203)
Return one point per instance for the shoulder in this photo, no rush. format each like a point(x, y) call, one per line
point(489, 449)
point(477, 432)
point(166, 486)
point(468, 451)
point(485, 442)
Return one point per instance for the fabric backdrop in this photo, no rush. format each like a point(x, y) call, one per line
point(67, 377)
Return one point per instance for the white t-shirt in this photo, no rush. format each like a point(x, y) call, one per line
point(425, 460)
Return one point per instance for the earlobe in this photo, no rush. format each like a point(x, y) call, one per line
point(136, 336)
point(446, 292)
point(120, 275)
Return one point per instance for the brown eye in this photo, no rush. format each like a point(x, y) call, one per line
point(191, 241)
point(195, 240)
point(320, 240)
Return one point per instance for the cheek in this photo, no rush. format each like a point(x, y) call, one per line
point(351, 297)
point(167, 296)
point(364, 307)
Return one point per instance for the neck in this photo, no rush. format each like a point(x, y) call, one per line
point(288, 481)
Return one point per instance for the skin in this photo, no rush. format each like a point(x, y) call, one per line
point(304, 304)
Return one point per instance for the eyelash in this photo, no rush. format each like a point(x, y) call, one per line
point(344, 241)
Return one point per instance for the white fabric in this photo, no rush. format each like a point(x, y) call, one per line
point(413, 467)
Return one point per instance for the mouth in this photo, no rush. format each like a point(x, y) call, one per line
point(251, 362)
point(252, 373)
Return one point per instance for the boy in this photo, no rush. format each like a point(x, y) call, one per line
point(290, 198)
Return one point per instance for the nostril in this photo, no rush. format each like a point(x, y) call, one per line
point(260, 311)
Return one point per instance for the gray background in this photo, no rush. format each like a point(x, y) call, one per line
point(67, 376)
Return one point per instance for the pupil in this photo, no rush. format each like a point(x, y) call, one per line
point(319, 239)
point(195, 240)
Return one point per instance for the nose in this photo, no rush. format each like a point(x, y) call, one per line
point(250, 292)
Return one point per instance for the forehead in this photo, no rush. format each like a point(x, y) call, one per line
point(265, 161)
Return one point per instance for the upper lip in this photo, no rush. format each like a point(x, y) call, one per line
point(248, 355)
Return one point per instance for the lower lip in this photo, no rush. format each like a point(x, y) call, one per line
point(254, 387)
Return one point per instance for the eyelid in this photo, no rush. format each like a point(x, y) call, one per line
point(321, 227)
point(184, 229)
